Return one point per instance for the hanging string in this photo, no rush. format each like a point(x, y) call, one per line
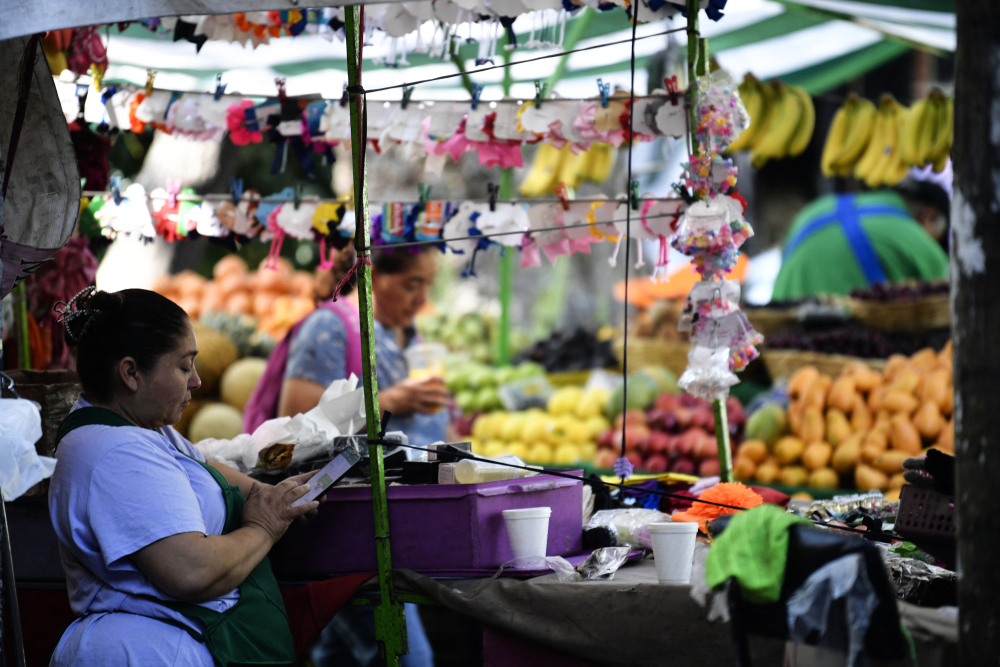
point(623, 467)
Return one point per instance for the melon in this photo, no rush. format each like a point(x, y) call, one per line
point(239, 381)
point(215, 420)
point(216, 352)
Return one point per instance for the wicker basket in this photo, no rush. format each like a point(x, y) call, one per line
point(782, 363)
point(935, 312)
point(643, 352)
point(932, 312)
point(769, 321)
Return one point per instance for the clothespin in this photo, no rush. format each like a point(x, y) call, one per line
point(407, 92)
point(605, 91)
point(563, 193)
point(96, 76)
point(425, 192)
point(115, 183)
point(477, 91)
point(539, 94)
point(634, 195)
point(236, 185)
point(280, 83)
point(672, 89)
point(219, 87)
point(494, 190)
point(173, 188)
point(297, 197)
point(150, 76)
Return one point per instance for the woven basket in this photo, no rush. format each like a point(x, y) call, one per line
point(769, 321)
point(782, 363)
point(903, 315)
point(643, 352)
point(935, 312)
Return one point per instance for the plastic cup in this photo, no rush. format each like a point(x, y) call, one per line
point(673, 551)
point(528, 530)
point(425, 360)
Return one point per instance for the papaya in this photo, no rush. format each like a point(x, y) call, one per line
point(861, 416)
point(813, 428)
point(824, 478)
point(800, 381)
point(900, 402)
point(788, 450)
point(867, 478)
point(904, 435)
point(817, 455)
point(838, 428)
point(842, 394)
point(847, 454)
point(928, 421)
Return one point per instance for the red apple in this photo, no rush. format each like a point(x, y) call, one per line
point(634, 435)
point(703, 419)
point(655, 463)
point(605, 459)
point(645, 445)
point(709, 468)
point(658, 442)
point(683, 466)
point(635, 417)
point(667, 402)
point(607, 439)
point(634, 459)
point(735, 412)
point(689, 401)
point(682, 418)
point(707, 448)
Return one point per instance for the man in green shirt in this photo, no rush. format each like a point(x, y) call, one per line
point(842, 242)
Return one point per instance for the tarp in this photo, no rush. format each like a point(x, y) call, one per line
point(818, 44)
point(43, 198)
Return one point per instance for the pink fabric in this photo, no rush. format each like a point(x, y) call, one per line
point(584, 124)
point(263, 403)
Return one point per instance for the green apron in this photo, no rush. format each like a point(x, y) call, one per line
point(254, 631)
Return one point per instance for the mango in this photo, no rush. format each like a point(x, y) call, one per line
point(788, 450)
point(946, 441)
point(900, 402)
point(824, 478)
point(767, 424)
point(875, 398)
point(928, 421)
point(842, 394)
point(838, 428)
point(813, 428)
point(867, 478)
point(801, 380)
point(904, 435)
point(891, 462)
point(908, 382)
point(815, 396)
point(896, 483)
point(861, 416)
point(847, 454)
point(754, 450)
point(744, 468)
point(794, 476)
point(767, 472)
point(817, 455)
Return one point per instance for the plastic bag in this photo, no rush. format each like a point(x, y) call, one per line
point(629, 525)
point(602, 564)
point(20, 465)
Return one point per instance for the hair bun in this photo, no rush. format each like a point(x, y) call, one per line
point(90, 306)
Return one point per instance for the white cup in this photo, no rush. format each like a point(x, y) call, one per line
point(528, 530)
point(673, 550)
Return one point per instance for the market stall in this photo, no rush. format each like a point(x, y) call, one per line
point(637, 420)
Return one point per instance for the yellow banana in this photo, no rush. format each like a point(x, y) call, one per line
point(835, 138)
point(753, 96)
point(911, 130)
point(892, 168)
point(856, 138)
point(865, 166)
point(781, 125)
point(545, 168)
point(602, 162)
point(573, 168)
point(925, 131)
point(803, 133)
point(944, 133)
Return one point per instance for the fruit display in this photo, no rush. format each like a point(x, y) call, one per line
point(853, 342)
point(853, 431)
point(564, 433)
point(573, 350)
point(277, 298)
point(885, 292)
point(879, 145)
point(782, 118)
point(472, 333)
point(476, 386)
point(676, 434)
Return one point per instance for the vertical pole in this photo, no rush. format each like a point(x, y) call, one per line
point(22, 331)
point(975, 281)
point(506, 277)
point(390, 624)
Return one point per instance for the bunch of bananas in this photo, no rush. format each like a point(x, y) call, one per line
point(927, 134)
point(552, 166)
point(781, 120)
point(882, 162)
point(849, 136)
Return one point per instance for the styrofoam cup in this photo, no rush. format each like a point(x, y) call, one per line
point(673, 550)
point(528, 530)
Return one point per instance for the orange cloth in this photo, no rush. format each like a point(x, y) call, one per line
point(727, 493)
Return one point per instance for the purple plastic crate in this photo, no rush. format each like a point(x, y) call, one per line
point(434, 529)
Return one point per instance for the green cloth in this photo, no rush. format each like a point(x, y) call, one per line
point(824, 263)
point(753, 548)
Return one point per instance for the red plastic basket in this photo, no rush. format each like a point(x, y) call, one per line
point(925, 514)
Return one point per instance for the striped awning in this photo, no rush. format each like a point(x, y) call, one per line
point(817, 44)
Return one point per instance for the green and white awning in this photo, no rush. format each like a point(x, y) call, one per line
point(817, 44)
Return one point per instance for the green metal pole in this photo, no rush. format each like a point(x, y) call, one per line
point(390, 624)
point(506, 278)
point(698, 66)
point(21, 328)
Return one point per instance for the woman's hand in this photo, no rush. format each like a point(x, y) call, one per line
point(427, 396)
point(269, 508)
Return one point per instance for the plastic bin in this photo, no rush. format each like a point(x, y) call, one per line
point(440, 529)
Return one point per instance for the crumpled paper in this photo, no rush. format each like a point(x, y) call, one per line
point(341, 411)
point(20, 465)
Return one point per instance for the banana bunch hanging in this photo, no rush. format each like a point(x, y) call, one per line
point(878, 146)
point(552, 166)
point(929, 129)
point(782, 118)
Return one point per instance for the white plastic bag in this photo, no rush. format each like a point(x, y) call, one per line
point(20, 465)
